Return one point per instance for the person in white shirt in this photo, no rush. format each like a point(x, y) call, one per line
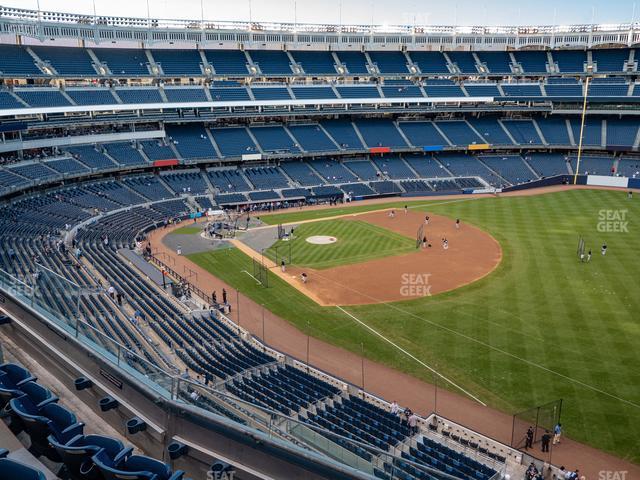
point(413, 423)
point(394, 408)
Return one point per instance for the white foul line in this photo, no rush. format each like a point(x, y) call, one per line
point(259, 282)
point(412, 357)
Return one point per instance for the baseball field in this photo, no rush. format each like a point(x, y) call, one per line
point(539, 327)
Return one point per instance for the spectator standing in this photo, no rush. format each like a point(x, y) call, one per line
point(546, 439)
point(529, 442)
point(413, 424)
point(557, 430)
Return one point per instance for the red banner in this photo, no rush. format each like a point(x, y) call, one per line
point(379, 150)
point(166, 163)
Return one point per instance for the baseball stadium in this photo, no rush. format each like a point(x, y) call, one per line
point(234, 246)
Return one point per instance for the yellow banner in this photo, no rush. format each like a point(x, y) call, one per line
point(479, 146)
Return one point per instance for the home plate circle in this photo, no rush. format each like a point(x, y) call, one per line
point(321, 239)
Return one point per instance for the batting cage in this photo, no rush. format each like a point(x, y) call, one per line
point(240, 220)
point(419, 236)
point(540, 419)
point(283, 252)
point(260, 272)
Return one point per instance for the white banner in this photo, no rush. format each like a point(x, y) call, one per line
point(606, 181)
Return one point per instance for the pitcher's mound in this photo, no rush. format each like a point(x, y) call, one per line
point(321, 239)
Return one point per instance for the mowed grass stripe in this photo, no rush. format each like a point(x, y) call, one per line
point(357, 241)
point(540, 304)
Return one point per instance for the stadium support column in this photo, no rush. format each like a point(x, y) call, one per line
point(584, 116)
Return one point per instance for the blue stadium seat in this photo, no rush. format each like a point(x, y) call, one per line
point(15, 60)
point(274, 139)
point(271, 62)
point(185, 94)
point(389, 62)
point(139, 95)
point(67, 61)
point(464, 60)
point(459, 132)
point(521, 90)
point(12, 378)
point(547, 164)
point(482, 89)
point(570, 61)
point(610, 60)
point(490, 130)
point(301, 172)
point(363, 169)
point(306, 93)
point(39, 395)
point(312, 138)
point(422, 134)
point(401, 91)
point(49, 97)
point(123, 61)
point(343, 133)
point(393, 167)
point(191, 141)
point(622, 133)
point(8, 101)
point(315, 62)
point(554, 130)
point(332, 171)
point(532, 61)
point(358, 91)
point(92, 96)
point(134, 467)
point(51, 419)
point(227, 62)
point(355, 62)
point(446, 88)
point(11, 469)
point(179, 63)
point(380, 132)
point(271, 93)
point(566, 88)
point(234, 141)
point(510, 167)
point(430, 62)
point(77, 453)
point(591, 134)
point(496, 62)
point(523, 132)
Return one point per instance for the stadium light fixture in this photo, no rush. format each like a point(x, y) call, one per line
point(582, 122)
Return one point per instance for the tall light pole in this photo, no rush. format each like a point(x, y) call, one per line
point(582, 122)
point(308, 339)
point(264, 343)
point(362, 365)
point(238, 306)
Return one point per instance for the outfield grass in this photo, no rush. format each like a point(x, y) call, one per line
point(357, 241)
point(300, 215)
point(542, 326)
point(186, 231)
